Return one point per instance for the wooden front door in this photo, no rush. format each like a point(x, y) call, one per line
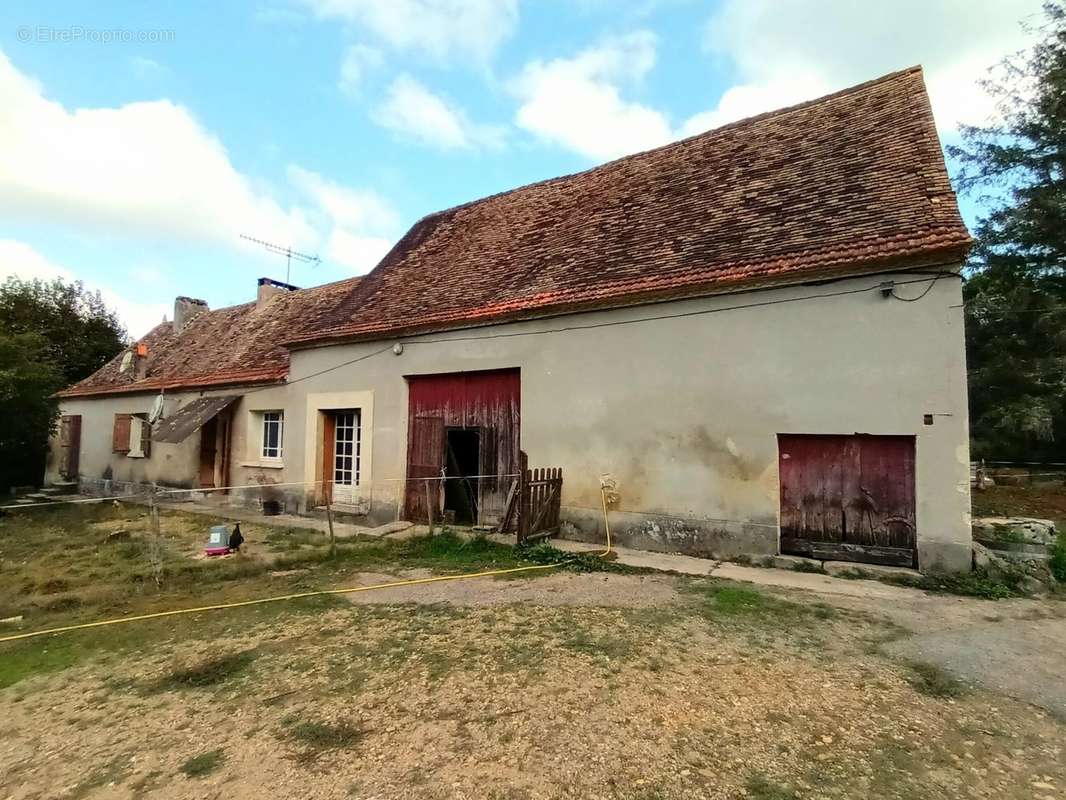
point(69, 446)
point(425, 460)
point(848, 498)
point(208, 451)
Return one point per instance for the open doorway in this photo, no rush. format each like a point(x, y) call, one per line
point(463, 463)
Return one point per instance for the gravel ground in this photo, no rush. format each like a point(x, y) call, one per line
point(555, 589)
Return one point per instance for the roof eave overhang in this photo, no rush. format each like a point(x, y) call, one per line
point(183, 385)
point(955, 254)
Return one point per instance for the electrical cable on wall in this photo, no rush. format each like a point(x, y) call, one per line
point(614, 323)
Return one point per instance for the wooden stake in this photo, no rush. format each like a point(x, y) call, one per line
point(329, 520)
point(429, 510)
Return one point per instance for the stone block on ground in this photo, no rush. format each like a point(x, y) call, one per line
point(1015, 529)
point(797, 563)
point(853, 569)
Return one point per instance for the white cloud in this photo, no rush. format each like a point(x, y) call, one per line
point(354, 208)
point(358, 59)
point(577, 102)
point(359, 253)
point(362, 224)
point(783, 52)
point(151, 169)
point(145, 168)
point(23, 261)
point(412, 110)
point(147, 68)
point(788, 51)
point(440, 29)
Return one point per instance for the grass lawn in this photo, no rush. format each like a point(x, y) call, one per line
point(654, 686)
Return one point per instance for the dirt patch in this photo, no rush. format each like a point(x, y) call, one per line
point(557, 589)
point(1044, 502)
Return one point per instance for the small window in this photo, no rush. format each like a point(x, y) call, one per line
point(140, 437)
point(273, 433)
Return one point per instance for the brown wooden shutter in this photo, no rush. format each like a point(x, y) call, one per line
point(329, 432)
point(146, 437)
point(120, 434)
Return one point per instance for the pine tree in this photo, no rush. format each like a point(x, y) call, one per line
point(1016, 290)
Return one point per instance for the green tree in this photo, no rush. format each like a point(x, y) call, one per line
point(52, 334)
point(81, 332)
point(1016, 290)
point(28, 408)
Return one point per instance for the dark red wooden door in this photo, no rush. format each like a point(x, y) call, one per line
point(208, 450)
point(70, 446)
point(848, 498)
point(425, 459)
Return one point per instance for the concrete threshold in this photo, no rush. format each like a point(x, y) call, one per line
point(762, 576)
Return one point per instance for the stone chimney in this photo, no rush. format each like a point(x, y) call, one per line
point(185, 308)
point(268, 287)
point(140, 361)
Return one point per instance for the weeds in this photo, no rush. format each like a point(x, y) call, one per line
point(1057, 563)
point(326, 736)
point(317, 738)
point(606, 645)
point(929, 679)
point(806, 566)
point(113, 772)
point(544, 553)
point(207, 673)
point(20, 662)
point(204, 764)
point(759, 787)
point(979, 583)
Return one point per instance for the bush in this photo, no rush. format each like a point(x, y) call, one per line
point(1057, 564)
point(544, 553)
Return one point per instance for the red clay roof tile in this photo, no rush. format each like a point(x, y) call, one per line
point(845, 184)
point(236, 345)
point(848, 183)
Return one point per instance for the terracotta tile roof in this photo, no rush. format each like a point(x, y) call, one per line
point(848, 183)
point(230, 346)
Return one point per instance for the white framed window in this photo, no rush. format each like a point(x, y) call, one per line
point(347, 446)
point(273, 434)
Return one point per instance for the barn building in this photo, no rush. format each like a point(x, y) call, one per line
point(755, 335)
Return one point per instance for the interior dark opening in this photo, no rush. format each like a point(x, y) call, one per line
point(462, 459)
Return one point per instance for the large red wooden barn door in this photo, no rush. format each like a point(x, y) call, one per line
point(467, 424)
point(849, 498)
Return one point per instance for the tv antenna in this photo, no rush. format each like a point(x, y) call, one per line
point(288, 252)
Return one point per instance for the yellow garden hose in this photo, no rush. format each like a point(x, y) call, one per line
point(279, 598)
point(606, 522)
point(300, 595)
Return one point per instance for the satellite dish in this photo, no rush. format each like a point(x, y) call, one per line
point(157, 410)
point(127, 362)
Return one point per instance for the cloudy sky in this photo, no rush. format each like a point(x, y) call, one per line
point(138, 142)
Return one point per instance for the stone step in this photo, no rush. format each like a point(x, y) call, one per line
point(863, 570)
point(61, 488)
